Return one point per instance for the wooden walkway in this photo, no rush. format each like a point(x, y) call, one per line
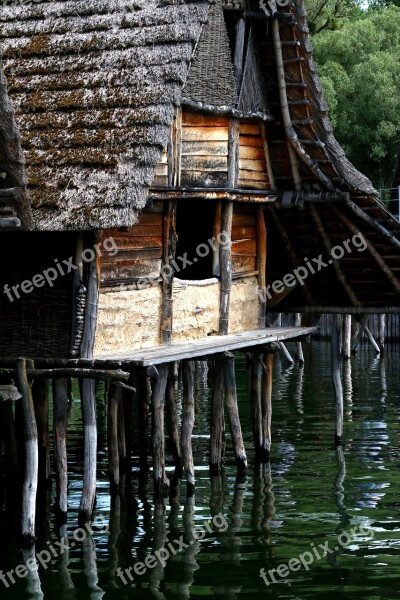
point(204, 347)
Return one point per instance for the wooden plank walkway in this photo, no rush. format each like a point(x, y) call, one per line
point(204, 347)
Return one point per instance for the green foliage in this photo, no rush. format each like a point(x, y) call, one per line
point(360, 70)
point(330, 14)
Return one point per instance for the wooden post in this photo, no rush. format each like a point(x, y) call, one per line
point(60, 418)
point(255, 402)
point(226, 269)
point(233, 414)
point(382, 328)
point(40, 395)
point(267, 407)
point(31, 454)
point(217, 420)
point(261, 262)
point(188, 424)
point(172, 417)
point(122, 433)
point(347, 337)
point(299, 345)
point(144, 392)
point(168, 272)
point(90, 450)
point(88, 399)
point(358, 333)
point(371, 339)
point(160, 477)
point(336, 378)
point(114, 397)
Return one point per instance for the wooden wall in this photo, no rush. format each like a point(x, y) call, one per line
point(204, 153)
point(139, 251)
point(244, 240)
point(201, 145)
point(253, 172)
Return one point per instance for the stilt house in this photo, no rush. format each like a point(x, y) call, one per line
point(148, 133)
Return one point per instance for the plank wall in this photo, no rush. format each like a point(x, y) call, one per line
point(140, 251)
point(244, 240)
point(253, 172)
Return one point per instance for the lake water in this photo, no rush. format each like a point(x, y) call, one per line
point(308, 501)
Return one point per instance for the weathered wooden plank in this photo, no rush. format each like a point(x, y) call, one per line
point(205, 148)
point(138, 243)
point(190, 119)
point(212, 134)
point(247, 175)
point(216, 179)
point(124, 256)
point(253, 165)
point(131, 270)
point(250, 141)
point(252, 153)
point(243, 264)
point(246, 247)
point(250, 129)
point(239, 232)
point(204, 163)
point(243, 219)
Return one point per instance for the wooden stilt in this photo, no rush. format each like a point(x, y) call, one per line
point(217, 420)
point(9, 440)
point(114, 397)
point(161, 481)
point(358, 333)
point(371, 339)
point(188, 424)
point(382, 330)
point(60, 418)
point(347, 337)
point(172, 417)
point(255, 401)
point(122, 433)
point(90, 446)
point(40, 395)
point(299, 346)
point(267, 407)
point(233, 414)
point(31, 454)
point(336, 378)
point(144, 392)
point(226, 269)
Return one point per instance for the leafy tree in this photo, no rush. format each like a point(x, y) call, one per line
point(330, 14)
point(360, 70)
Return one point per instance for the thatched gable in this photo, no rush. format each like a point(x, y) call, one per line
point(94, 84)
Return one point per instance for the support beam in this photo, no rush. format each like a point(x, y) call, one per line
point(168, 276)
point(261, 261)
point(60, 417)
point(328, 246)
point(255, 404)
point(40, 393)
point(299, 346)
point(233, 414)
point(371, 339)
point(374, 223)
point(161, 482)
point(217, 441)
point(347, 337)
point(114, 396)
point(336, 377)
point(30, 484)
point(226, 269)
point(172, 417)
point(267, 407)
point(382, 330)
point(188, 424)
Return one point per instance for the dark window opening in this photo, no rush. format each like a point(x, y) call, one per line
point(195, 229)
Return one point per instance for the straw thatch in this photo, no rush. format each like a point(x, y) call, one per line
point(94, 85)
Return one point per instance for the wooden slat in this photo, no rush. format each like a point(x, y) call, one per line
point(252, 153)
point(243, 233)
point(125, 256)
point(249, 129)
point(198, 120)
point(247, 175)
point(212, 134)
point(205, 148)
point(131, 270)
point(243, 264)
point(253, 165)
point(205, 163)
point(216, 179)
point(244, 247)
point(138, 243)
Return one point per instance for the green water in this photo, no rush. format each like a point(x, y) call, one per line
point(311, 494)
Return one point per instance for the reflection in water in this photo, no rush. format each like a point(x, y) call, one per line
point(33, 584)
point(310, 493)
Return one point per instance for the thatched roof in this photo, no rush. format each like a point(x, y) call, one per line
point(14, 210)
point(94, 84)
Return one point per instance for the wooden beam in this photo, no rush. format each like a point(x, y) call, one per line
point(261, 261)
point(336, 377)
point(170, 242)
point(161, 482)
point(217, 438)
point(188, 424)
point(328, 246)
point(374, 223)
point(60, 412)
point(233, 153)
point(226, 268)
point(371, 249)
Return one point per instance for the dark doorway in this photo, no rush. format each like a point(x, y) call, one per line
point(195, 230)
